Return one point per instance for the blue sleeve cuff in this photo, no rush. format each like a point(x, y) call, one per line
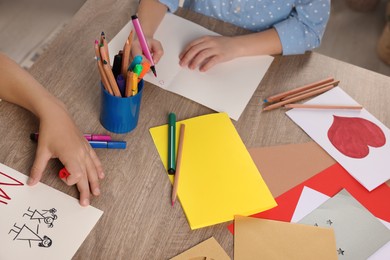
point(172, 5)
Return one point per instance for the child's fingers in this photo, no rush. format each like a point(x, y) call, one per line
point(157, 51)
point(93, 179)
point(210, 63)
point(41, 159)
point(83, 188)
point(97, 164)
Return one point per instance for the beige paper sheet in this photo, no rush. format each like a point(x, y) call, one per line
point(207, 250)
point(268, 239)
point(285, 166)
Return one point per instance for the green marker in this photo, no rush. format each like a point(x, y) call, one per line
point(171, 143)
point(137, 69)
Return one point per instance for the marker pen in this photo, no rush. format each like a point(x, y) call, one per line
point(108, 144)
point(89, 137)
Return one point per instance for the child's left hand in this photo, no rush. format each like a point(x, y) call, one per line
point(208, 51)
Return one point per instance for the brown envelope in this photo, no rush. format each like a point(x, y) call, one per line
point(209, 249)
point(256, 238)
point(285, 166)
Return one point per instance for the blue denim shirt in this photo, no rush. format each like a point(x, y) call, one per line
point(300, 23)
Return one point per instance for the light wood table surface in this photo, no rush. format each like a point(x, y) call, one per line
point(139, 221)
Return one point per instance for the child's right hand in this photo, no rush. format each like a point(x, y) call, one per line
point(155, 47)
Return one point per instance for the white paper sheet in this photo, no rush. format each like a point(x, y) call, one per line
point(372, 170)
point(227, 87)
point(28, 214)
point(308, 201)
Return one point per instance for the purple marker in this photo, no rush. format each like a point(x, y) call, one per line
point(120, 80)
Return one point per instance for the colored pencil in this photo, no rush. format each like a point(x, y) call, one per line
point(105, 46)
point(279, 96)
point(323, 106)
point(103, 76)
point(111, 79)
point(298, 98)
point(125, 59)
point(335, 83)
point(178, 163)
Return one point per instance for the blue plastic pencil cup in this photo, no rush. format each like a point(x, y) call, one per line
point(120, 114)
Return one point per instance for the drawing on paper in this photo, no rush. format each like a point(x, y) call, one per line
point(8, 182)
point(25, 233)
point(47, 216)
point(352, 136)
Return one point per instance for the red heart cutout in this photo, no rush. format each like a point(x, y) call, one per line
point(352, 136)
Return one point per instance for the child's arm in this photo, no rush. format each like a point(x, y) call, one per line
point(150, 14)
point(208, 51)
point(58, 135)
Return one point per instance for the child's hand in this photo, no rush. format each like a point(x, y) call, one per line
point(60, 138)
point(155, 47)
point(208, 51)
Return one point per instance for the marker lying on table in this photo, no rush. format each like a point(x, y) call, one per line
point(89, 137)
point(108, 144)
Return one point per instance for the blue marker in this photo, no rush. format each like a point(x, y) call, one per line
point(137, 60)
point(108, 144)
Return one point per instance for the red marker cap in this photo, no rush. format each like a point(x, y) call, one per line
point(63, 173)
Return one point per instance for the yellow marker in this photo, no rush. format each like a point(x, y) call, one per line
point(134, 84)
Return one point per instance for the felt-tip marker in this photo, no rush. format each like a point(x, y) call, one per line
point(89, 137)
point(108, 144)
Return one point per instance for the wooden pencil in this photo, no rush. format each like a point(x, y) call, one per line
point(103, 76)
point(111, 79)
point(335, 83)
point(103, 41)
point(279, 96)
point(298, 98)
point(178, 163)
point(125, 59)
point(357, 107)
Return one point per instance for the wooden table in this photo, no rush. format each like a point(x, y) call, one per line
point(138, 220)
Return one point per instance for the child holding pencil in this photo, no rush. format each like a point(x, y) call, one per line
point(279, 27)
point(58, 135)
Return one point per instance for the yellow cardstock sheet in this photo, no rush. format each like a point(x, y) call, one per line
point(218, 177)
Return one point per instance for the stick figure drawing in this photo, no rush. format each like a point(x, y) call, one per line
point(24, 233)
point(48, 216)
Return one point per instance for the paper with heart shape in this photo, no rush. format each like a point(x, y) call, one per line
point(353, 136)
point(371, 170)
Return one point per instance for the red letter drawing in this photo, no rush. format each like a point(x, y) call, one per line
point(6, 180)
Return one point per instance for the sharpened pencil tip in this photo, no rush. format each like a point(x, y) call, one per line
point(173, 203)
point(96, 42)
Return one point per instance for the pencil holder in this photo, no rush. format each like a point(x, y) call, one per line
point(120, 114)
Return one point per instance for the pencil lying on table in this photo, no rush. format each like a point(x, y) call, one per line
point(178, 163)
point(357, 107)
point(298, 98)
point(282, 95)
point(334, 83)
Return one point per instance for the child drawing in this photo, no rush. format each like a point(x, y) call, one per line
point(26, 234)
point(48, 216)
